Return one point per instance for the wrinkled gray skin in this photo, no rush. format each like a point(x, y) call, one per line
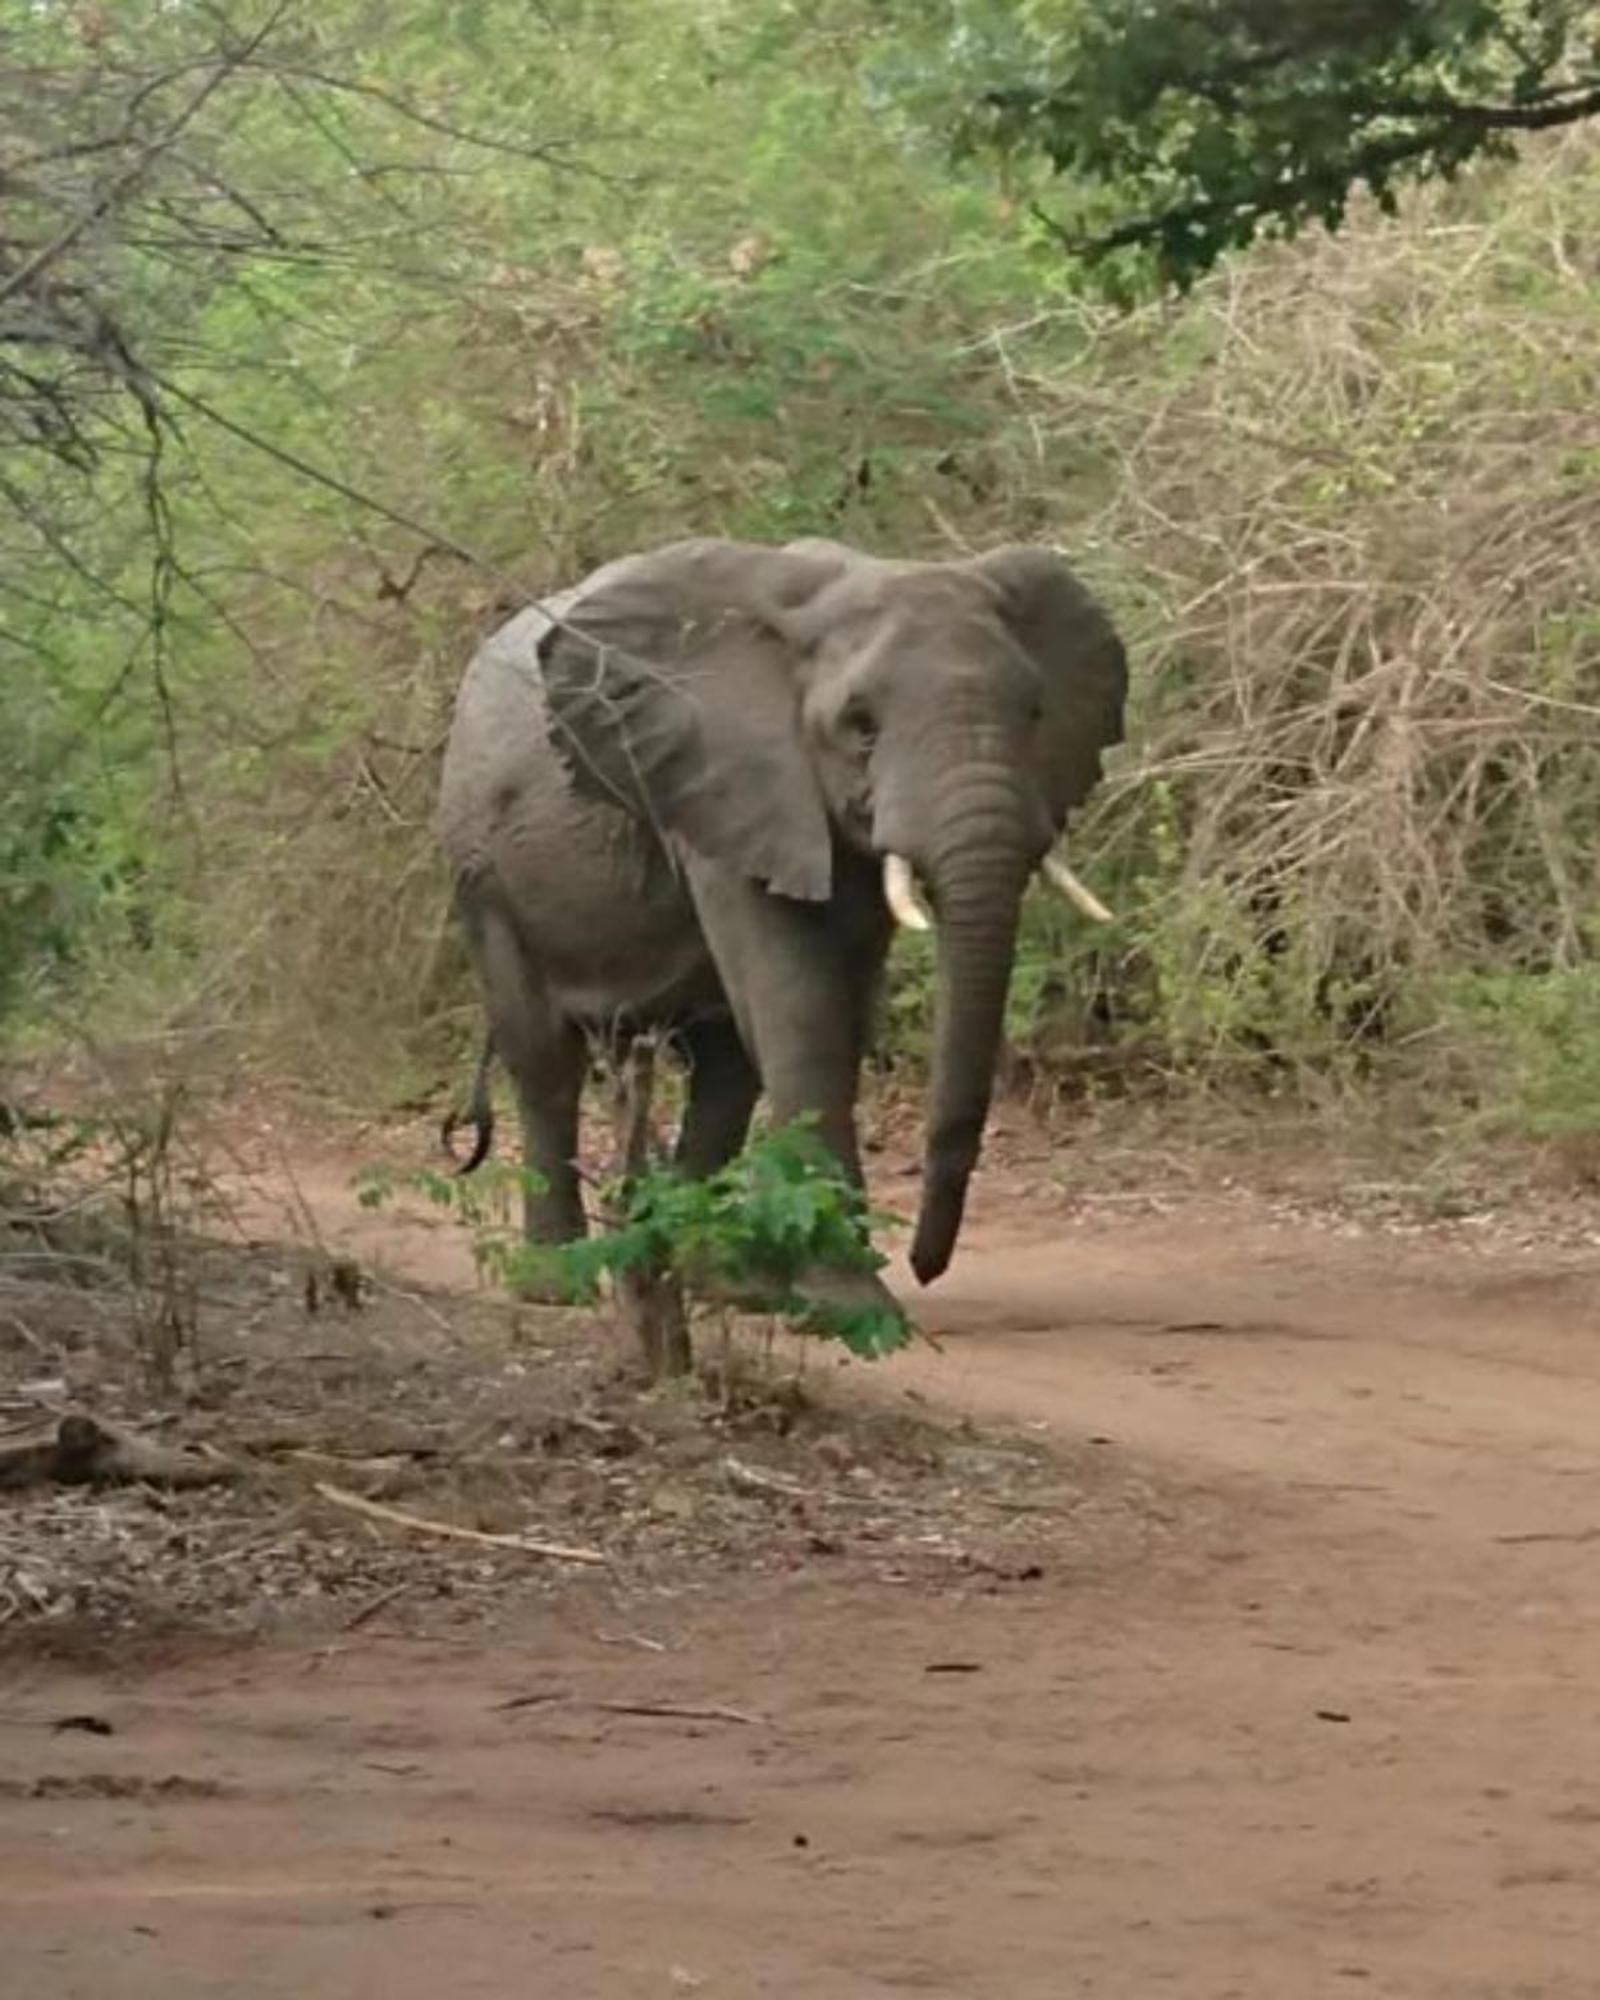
point(670, 808)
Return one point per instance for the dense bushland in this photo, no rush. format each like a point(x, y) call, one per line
point(551, 283)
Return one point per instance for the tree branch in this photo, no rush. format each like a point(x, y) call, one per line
point(1282, 197)
point(122, 184)
point(293, 462)
point(350, 86)
point(1566, 105)
point(1196, 122)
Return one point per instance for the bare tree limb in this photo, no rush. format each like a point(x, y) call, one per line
point(122, 184)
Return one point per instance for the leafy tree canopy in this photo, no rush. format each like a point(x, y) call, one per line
point(1181, 129)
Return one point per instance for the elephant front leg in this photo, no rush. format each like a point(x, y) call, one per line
point(800, 979)
point(798, 988)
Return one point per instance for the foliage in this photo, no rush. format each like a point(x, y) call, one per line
point(109, 1195)
point(482, 1203)
point(1371, 750)
point(780, 1214)
point(1180, 129)
point(778, 1217)
point(171, 170)
point(1340, 499)
point(1534, 1045)
point(193, 195)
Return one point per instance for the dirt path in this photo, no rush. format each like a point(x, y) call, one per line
point(1336, 1733)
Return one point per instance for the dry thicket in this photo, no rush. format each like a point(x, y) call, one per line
point(1361, 487)
point(1347, 501)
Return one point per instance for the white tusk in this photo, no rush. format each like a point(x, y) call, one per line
point(900, 892)
point(1060, 876)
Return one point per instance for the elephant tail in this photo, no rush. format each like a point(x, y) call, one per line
point(479, 1113)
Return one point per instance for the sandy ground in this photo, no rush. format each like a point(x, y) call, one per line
point(1330, 1728)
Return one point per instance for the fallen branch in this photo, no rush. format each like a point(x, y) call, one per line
point(374, 1605)
point(664, 1711)
point(745, 1478)
point(770, 1485)
point(420, 1524)
point(375, 1477)
point(672, 1711)
point(1550, 1535)
point(24, 1332)
point(83, 1452)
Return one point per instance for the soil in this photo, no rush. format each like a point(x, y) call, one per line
point(1212, 1612)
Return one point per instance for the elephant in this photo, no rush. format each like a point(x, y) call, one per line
point(694, 795)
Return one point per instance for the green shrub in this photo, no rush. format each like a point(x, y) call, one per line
point(778, 1216)
point(1533, 1042)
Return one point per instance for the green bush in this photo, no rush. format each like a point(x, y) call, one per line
point(776, 1218)
point(1533, 1046)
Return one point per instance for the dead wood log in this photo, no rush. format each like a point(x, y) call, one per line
point(82, 1451)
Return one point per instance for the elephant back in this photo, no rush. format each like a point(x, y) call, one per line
point(508, 813)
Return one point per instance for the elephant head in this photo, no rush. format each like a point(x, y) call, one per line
point(758, 705)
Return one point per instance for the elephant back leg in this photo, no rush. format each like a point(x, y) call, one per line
point(547, 1060)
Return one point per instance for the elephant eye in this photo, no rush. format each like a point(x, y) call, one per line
point(859, 723)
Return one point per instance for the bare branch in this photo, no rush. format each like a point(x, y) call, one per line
point(123, 184)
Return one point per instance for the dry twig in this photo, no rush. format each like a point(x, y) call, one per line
point(421, 1524)
point(672, 1711)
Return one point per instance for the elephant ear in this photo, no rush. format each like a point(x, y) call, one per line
point(672, 694)
point(1076, 649)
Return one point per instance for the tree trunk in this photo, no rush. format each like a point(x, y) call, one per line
point(649, 1300)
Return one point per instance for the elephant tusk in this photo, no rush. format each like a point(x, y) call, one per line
point(1060, 876)
point(900, 893)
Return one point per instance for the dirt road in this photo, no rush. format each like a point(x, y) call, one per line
point(1337, 1732)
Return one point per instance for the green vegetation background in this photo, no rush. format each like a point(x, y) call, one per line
point(1344, 500)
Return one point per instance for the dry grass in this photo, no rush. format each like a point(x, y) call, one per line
point(1366, 501)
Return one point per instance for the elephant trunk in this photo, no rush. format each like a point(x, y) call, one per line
point(978, 889)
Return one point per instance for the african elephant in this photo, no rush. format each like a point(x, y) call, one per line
point(696, 792)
